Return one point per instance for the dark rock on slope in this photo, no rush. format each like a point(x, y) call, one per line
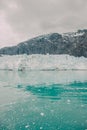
point(74, 43)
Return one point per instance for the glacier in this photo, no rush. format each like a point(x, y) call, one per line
point(42, 62)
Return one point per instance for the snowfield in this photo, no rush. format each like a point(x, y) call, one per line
point(42, 62)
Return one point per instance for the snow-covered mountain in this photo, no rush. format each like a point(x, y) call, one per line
point(74, 43)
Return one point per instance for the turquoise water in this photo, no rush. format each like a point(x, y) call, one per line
point(43, 100)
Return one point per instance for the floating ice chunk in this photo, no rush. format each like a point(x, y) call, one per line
point(42, 114)
point(33, 123)
point(52, 110)
point(82, 105)
point(27, 126)
point(41, 128)
point(68, 101)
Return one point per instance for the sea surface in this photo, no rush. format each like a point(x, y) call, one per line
point(43, 100)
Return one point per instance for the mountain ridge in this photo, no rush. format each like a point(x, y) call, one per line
point(73, 43)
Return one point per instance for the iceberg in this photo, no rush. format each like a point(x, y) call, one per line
point(42, 62)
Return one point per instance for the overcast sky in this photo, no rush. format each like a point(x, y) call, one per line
point(23, 19)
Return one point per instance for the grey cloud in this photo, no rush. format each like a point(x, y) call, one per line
point(33, 17)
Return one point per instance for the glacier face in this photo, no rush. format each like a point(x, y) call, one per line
point(42, 62)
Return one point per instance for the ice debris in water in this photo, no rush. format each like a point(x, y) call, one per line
point(68, 101)
point(82, 105)
point(33, 123)
point(27, 126)
point(42, 114)
point(41, 128)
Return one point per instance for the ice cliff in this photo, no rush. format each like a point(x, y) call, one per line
point(42, 62)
